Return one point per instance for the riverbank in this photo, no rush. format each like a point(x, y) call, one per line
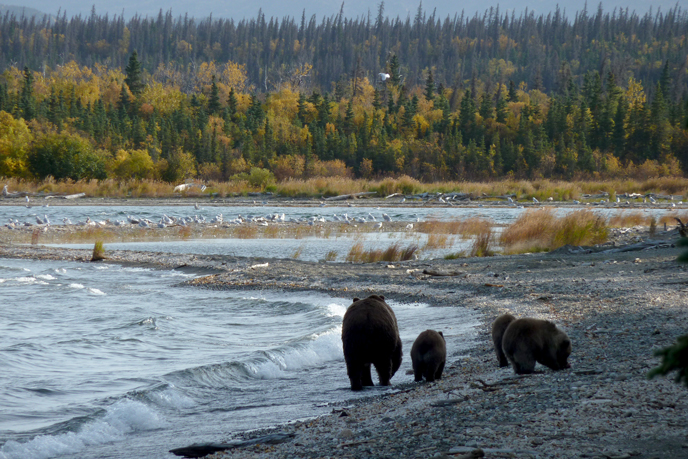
point(617, 307)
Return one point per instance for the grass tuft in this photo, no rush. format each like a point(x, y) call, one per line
point(98, 251)
point(394, 252)
point(541, 231)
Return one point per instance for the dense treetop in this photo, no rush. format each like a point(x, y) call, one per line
point(603, 94)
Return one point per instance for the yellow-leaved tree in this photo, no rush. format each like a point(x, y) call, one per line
point(15, 138)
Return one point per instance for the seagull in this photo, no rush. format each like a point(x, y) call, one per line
point(46, 220)
point(196, 206)
point(384, 76)
point(510, 200)
point(27, 201)
point(386, 217)
point(409, 226)
point(378, 225)
point(535, 200)
point(38, 220)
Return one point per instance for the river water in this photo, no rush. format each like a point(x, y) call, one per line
point(103, 361)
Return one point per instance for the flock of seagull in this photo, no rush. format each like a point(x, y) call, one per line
point(166, 221)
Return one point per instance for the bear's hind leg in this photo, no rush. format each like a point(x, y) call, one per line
point(366, 377)
point(523, 363)
point(355, 372)
point(384, 371)
point(440, 369)
point(429, 373)
point(418, 372)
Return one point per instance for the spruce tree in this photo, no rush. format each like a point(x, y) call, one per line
point(134, 79)
point(232, 105)
point(511, 96)
point(430, 87)
point(214, 105)
point(27, 100)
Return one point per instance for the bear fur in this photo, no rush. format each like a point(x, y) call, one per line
point(527, 341)
point(370, 335)
point(498, 329)
point(428, 355)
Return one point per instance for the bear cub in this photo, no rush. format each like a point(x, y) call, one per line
point(527, 341)
point(370, 336)
point(428, 355)
point(498, 329)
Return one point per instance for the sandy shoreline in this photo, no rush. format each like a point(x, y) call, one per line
point(617, 307)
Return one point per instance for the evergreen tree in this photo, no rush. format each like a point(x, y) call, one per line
point(429, 87)
point(394, 75)
point(27, 100)
point(214, 105)
point(134, 78)
point(511, 96)
point(232, 105)
point(485, 106)
point(301, 109)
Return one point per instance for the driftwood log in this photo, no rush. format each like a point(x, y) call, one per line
point(342, 197)
point(204, 449)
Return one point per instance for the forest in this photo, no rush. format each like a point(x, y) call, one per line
point(594, 96)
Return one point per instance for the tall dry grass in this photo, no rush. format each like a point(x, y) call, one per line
point(464, 228)
point(541, 230)
point(482, 244)
point(626, 219)
point(333, 186)
point(357, 254)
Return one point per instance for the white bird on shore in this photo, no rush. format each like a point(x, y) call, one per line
point(27, 201)
point(196, 206)
point(509, 198)
point(378, 225)
point(46, 220)
point(409, 226)
point(535, 200)
point(386, 217)
point(38, 220)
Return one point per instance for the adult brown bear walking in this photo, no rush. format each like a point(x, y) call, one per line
point(527, 341)
point(428, 355)
point(370, 335)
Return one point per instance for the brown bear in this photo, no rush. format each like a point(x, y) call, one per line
point(498, 329)
point(527, 341)
point(428, 354)
point(370, 335)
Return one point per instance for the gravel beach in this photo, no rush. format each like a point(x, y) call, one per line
point(617, 306)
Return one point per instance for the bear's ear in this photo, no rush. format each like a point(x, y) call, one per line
point(356, 299)
point(441, 334)
point(382, 298)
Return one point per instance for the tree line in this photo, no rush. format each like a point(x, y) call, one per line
point(464, 98)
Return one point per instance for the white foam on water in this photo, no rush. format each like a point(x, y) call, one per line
point(25, 280)
point(336, 310)
point(45, 277)
point(323, 348)
point(121, 418)
point(102, 267)
point(171, 398)
point(2, 280)
point(76, 286)
point(60, 271)
point(95, 291)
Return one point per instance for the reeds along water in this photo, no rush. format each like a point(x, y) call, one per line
point(541, 230)
point(357, 253)
point(337, 185)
